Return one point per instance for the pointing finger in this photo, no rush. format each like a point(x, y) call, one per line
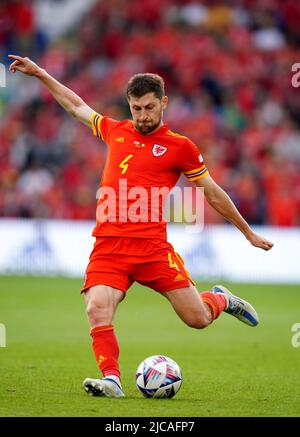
point(19, 58)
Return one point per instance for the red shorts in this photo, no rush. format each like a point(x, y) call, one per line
point(119, 261)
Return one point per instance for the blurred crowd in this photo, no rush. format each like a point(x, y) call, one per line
point(227, 68)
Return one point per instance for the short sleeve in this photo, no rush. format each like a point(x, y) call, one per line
point(102, 125)
point(192, 162)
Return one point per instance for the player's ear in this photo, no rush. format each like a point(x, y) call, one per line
point(129, 102)
point(164, 101)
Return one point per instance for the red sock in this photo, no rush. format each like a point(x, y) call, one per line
point(216, 303)
point(106, 349)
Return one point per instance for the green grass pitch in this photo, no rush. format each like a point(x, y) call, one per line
point(229, 369)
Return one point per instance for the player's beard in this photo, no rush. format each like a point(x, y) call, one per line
point(146, 128)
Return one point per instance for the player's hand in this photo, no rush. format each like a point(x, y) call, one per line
point(258, 241)
point(24, 65)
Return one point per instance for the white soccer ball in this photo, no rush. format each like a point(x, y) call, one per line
point(158, 377)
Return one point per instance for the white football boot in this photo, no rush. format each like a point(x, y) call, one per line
point(238, 307)
point(105, 387)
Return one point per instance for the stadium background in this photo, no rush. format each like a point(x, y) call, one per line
point(227, 67)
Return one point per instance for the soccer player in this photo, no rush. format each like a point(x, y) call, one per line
point(131, 243)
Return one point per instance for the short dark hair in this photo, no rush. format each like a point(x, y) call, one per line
point(143, 83)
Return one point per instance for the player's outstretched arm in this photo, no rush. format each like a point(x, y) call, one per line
point(70, 101)
point(222, 203)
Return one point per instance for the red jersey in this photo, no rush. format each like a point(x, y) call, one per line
point(140, 170)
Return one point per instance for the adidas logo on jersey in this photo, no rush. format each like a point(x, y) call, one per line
point(179, 277)
point(120, 139)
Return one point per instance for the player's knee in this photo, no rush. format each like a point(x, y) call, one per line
point(98, 313)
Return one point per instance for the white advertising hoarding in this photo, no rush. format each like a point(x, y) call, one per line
point(60, 247)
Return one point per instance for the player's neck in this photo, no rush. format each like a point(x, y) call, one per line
point(156, 129)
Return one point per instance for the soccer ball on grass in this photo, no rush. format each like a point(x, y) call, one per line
point(158, 377)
